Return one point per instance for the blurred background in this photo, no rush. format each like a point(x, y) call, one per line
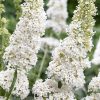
point(12, 14)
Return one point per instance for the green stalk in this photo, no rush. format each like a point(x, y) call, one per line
point(42, 63)
point(12, 85)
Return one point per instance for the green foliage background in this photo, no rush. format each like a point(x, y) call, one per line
point(13, 12)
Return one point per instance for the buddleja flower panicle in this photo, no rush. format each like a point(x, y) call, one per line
point(57, 15)
point(21, 54)
point(24, 44)
point(70, 59)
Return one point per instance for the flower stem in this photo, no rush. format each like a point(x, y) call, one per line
point(12, 85)
point(42, 62)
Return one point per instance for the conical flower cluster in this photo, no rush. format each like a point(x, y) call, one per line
point(4, 33)
point(57, 15)
point(24, 44)
point(70, 57)
point(21, 54)
point(94, 89)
